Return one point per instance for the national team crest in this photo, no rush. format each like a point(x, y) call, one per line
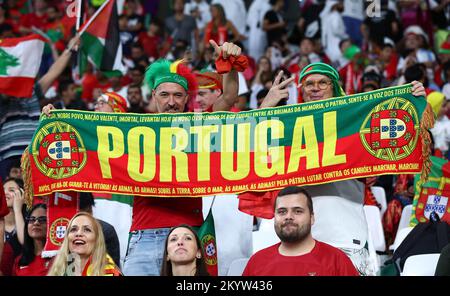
point(391, 131)
point(58, 230)
point(60, 150)
point(209, 244)
point(433, 200)
point(436, 203)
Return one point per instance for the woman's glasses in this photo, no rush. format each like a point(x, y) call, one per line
point(41, 219)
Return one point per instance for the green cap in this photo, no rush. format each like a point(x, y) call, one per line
point(351, 51)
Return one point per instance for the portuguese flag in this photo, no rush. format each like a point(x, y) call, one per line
point(207, 235)
point(434, 194)
point(100, 41)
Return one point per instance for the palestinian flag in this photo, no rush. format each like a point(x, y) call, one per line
point(100, 41)
point(20, 59)
point(434, 194)
point(207, 235)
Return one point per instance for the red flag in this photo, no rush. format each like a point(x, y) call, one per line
point(61, 207)
point(259, 204)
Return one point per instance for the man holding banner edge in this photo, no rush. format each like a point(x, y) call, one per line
point(319, 81)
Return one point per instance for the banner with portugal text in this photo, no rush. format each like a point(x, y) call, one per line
point(200, 154)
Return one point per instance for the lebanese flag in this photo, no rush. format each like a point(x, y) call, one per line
point(100, 41)
point(20, 59)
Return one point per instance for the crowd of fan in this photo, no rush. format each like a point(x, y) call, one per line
point(401, 42)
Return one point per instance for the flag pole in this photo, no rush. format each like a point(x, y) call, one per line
point(78, 24)
point(94, 16)
point(212, 203)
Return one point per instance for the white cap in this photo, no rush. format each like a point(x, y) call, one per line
point(416, 30)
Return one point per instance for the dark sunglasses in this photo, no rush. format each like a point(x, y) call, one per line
point(41, 219)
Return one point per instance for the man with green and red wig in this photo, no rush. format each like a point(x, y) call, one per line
point(341, 221)
point(172, 84)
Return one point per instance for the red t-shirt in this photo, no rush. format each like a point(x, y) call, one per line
point(160, 212)
point(323, 260)
point(7, 263)
point(38, 267)
point(33, 20)
point(3, 207)
point(150, 44)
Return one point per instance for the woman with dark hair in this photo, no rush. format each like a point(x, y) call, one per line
point(14, 224)
point(30, 263)
point(219, 28)
point(183, 255)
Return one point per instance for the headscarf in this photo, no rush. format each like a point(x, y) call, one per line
point(116, 101)
point(327, 70)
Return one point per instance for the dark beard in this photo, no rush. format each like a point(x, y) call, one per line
point(293, 237)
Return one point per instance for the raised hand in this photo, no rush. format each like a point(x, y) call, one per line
point(418, 89)
point(277, 92)
point(227, 49)
point(47, 109)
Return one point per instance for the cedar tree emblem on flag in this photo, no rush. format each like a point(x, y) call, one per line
point(7, 60)
point(20, 59)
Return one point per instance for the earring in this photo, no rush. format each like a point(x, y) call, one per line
point(198, 256)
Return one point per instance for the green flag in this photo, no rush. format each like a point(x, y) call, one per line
point(207, 235)
point(433, 194)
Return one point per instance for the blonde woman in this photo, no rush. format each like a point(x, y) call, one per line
point(83, 251)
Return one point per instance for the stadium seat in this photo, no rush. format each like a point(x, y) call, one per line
point(420, 265)
point(399, 237)
point(237, 267)
point(373, 217)
point(380, 196)
point(405, 218)
point(374, 257)
point(339, 222)
point(265, 236)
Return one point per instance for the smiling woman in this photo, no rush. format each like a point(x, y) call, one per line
point(83, 251)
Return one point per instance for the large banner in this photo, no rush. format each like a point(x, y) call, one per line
point(193, 154)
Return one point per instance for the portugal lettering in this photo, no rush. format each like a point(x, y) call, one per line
point(166, 154)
